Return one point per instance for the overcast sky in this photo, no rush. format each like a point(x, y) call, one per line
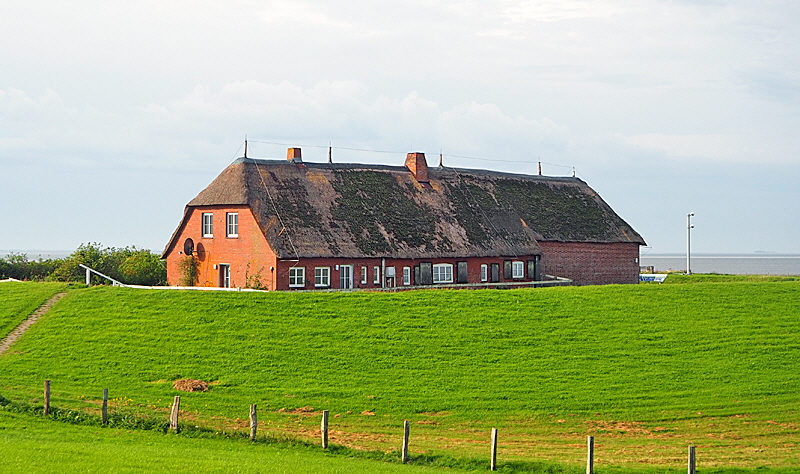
point(113, 115)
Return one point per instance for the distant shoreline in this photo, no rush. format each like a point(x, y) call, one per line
point(723, 255)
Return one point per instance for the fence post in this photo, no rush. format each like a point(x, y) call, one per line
point(324, 429)
point(46, 397)
point(105, 406)
point(590, 455)
point(404, 451)
point(173, 416)
point(692, 460)
point(253, 422)
point(493, 464)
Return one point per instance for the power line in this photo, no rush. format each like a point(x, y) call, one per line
point(330, 147)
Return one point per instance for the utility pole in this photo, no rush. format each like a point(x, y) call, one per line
point(689, 228)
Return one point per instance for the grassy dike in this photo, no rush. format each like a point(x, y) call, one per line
point(20, 299)
point(647, 369)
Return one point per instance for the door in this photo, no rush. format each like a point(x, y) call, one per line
point(225, 275)
point(345, 277)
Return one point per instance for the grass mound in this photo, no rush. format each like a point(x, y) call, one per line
point(642, 366)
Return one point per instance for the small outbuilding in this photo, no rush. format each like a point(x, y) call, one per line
point(291, 225)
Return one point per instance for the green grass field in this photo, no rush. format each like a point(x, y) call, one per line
point(34, 445)
point(647, 369)
point(20, 299)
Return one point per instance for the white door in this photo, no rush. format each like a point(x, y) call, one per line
point(346, 277)
point(225, 275)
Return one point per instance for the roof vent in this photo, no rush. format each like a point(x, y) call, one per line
point(415, 162)
point(293, 155)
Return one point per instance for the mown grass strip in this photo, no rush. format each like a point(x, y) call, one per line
point(129, 423)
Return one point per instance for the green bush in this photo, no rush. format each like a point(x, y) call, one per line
point(128, 265)
point(17, 265)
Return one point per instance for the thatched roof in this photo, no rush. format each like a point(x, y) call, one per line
point(352, 211)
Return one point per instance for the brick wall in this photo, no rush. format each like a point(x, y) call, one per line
point(590, 263)
point(249, 255)
point(309, 264)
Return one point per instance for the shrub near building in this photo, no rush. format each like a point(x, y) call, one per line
point(129, 265)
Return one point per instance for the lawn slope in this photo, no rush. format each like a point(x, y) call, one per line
point(660, 365)
point(19, 299)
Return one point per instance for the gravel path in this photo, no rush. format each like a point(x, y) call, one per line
point(6, 343)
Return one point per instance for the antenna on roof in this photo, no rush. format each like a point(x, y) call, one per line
point(330, 148)
point(573, 171)
point(441, 165)
point(540, 168)
point(245, 146)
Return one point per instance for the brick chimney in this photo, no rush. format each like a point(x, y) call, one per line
point(415, 162)
point(293, 155)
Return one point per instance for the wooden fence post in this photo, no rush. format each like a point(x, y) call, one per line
point(404, 451)
point(590, 455)
point(324, 429)
point(173, 416)
point(46, 397)
point(493, 463)
point(105, 406)
point(692, 460)
point(253, 422)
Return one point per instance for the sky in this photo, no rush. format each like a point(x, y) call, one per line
point(113, 115)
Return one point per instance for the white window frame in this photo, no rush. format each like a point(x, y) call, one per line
point(484, 272)
point(208, 225)
point(376, 279)
point(322, 277)
point(297, 277)
point(363, 275)
point(443, 273)
point(232, 224)
point(406, 276)
point(517, 270)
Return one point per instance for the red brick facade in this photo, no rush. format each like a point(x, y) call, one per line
point(591, 263)
point(252, 263)
point(248, 255)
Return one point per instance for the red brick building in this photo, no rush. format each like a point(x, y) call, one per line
point(284, 225)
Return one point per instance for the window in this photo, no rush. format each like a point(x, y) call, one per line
point(208, 224)
point(322, 276)
point(518, 269)
point(484, 272)
point(406, 276)
point(363, 275)
point(443, 273)
point(377, 276)
point(233, 224)
point(297, 277)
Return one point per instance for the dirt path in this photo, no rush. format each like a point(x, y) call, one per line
point(18, 331)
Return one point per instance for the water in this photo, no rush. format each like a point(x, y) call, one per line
point(731, 264)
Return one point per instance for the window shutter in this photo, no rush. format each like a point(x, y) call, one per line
point(495, 272)
point(462, 273)
point(426, 273)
